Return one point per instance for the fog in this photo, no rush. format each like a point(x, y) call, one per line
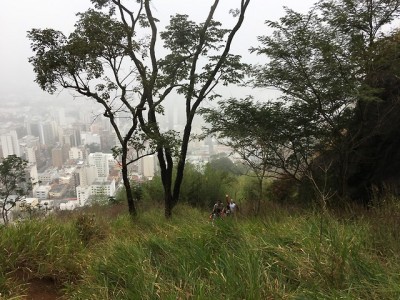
point(17, 17)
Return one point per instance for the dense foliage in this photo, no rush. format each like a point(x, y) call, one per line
point(334, 126)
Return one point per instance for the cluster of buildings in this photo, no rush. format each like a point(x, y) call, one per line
point(70, 162)
point(68, 150)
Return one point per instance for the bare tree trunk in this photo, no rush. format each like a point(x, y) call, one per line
point(4, 215)
point(181, 163)
point(166, 166)
point(168, 205)
point(260, 196)
point(127, 184)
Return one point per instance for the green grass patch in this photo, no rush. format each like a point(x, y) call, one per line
point(286, 256)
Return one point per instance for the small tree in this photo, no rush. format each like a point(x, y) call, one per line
point(14, 184)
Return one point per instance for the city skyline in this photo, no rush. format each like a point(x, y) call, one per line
point(43, 128)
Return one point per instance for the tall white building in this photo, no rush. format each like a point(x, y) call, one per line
point(100, 160)
point(32, 173)
point(30, 153)
point(106, 188)
point(87, 174)
point(148, 166)
point(10, 144)
point(46, 132)
point(77, 153)
point(98, 187)
point(83, 194)
point(28, 148)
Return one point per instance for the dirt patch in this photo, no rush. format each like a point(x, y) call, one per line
point(42, 289)
point(32, 288)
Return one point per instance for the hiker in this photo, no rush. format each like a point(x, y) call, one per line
point(227, 208)
point(217, 210)
point(233, 206)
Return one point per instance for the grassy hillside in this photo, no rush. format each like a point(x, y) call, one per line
point(102, 255)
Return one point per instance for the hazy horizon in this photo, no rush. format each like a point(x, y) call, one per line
point(16, 18)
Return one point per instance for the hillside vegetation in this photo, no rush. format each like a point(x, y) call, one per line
point(286, 254)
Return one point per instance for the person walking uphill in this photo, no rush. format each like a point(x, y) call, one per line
point(217, 210)
point(227, 208)
point(233, 207)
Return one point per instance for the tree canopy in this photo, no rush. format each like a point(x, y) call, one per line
point(325, 63)
point(112, 57)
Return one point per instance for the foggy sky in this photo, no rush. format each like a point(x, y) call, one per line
point(19, 16)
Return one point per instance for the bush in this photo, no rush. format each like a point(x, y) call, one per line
point(282, 190)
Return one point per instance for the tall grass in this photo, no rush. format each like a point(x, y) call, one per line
point(280, 256)
point(39, 249)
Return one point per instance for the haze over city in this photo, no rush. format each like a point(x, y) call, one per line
point(62, 131)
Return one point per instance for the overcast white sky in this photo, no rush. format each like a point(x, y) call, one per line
point(19, 16)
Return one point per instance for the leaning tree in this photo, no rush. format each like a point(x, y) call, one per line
point(113, 58)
